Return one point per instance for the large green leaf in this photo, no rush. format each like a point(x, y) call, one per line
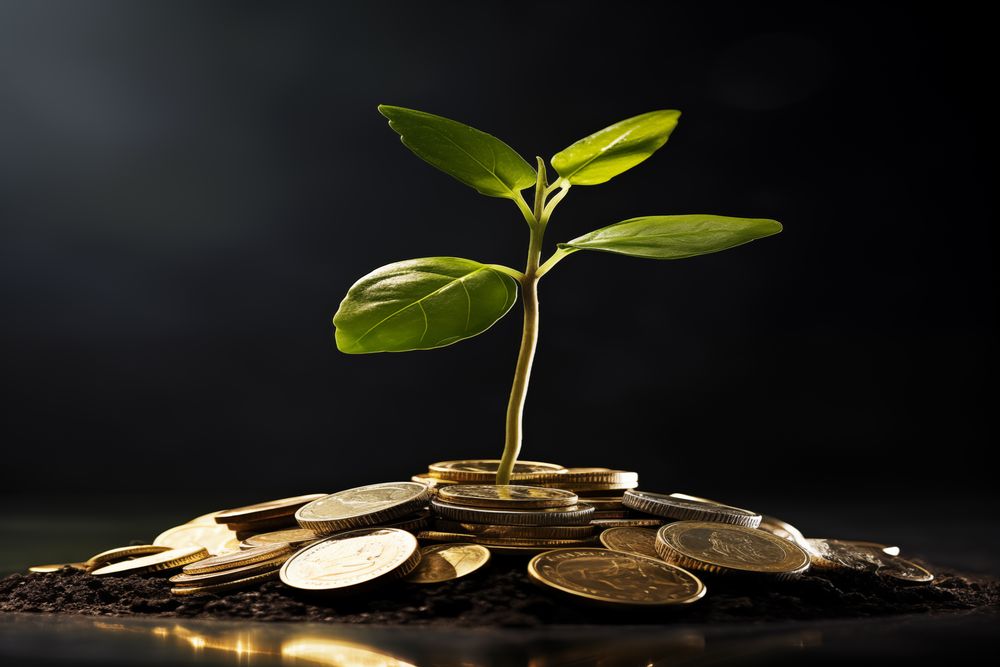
point(617, 148)
point(479, 160)
point(674, 236)
point(421, 304)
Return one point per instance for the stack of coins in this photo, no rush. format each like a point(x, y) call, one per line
point(263, 517)
point(231, 570)
point(511, 519)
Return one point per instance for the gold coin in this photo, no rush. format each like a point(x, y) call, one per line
point(680, 509)
point(615, 577)
point(598, 477)
point(165, 560)
point(221, 576)
point(352, 559)
point(55, 567)
point(485, 470)
point(430, 480)
point(264, 525)
point(574, 515)
point(592, 488)
point(269, 509)
point(640, 541)
point(269, 553)
point(229, 585)
point(511, 496)
point(633, 522)
point(697, 499)
point(721, 548)
point(123, 553)
point(868, 557)
point(784, 530)
point(610, 504)
point(412, 523)
point(489, 530)
point(613, 514)
point(293, 537)
point(211, 536)
point(363, 506)
point(444, 562)
point(534, 542)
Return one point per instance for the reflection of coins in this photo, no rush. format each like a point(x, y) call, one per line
point(485, 470)
point(55, 567)
point(489, 530)
point(269, 554)
point(681, 509)
point(266, 511)
point(511, 496)
point(123, 553)
point(352, 559)
point(784, 530)
point(868, 557)
point(615, 577)
point(633, 540)
point(293, 537)
point(363, 506)
point(444, 562)
point(166, 560)
point(574, 515)
point(211, 536)
point(721, 548)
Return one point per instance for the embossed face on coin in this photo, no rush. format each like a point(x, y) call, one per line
point(615, 577)
point(352, 559)
point(866, 557)
point(444, 562)
point(511, 496)
point(633, 540)
point(716, 547)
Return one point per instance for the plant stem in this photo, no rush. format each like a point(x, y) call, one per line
point(529, 336)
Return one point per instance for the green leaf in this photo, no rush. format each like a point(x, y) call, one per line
point(617, 148)
point(674, 236)
point(421, 304)
point(479, 160)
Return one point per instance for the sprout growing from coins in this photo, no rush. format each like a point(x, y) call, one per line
point(430, 302)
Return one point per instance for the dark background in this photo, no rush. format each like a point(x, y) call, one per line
point(187, 190)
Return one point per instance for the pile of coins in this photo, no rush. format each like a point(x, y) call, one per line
point(588, 532)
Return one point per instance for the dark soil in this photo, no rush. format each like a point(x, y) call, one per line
point(501, 595)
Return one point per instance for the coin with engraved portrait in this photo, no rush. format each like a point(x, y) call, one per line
point(484, 471)
point(640, 541)
point(868, 557)
point(724, 549)
point(615, 577)
point(444, 562)
point(352, 559)
point(362, 506)
point(509, 496)
point(684, 509)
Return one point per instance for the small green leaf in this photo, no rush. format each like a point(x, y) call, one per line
point(617, 148)
point(421, 304)
point(674, 236)
point(477, 159)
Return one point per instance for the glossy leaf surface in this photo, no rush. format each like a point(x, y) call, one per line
point(608, 152)
point(421, 304)
point(674, 236)
point(475, 158)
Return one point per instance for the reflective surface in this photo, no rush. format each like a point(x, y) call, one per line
point(42, 639)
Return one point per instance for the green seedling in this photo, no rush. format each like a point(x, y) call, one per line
point(421, 304)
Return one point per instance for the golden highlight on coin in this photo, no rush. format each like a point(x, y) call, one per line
point(727, 549)
point(123, 553)
point(167, 560)
point(267, 510)
point(615, 577)
point(363, 506)
point(222, 576)
point(640, 541)
point(293, 537)
point(213, 537)
point(269, 553)
point(352, 559)
point(681, 509)
point(484, 471)
point(511, 496)
point(444, 562)
point(226, 586)
point(574, 515)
